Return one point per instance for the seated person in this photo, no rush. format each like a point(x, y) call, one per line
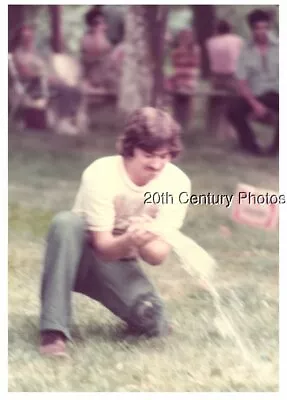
point(258, 83)
point(33, 70)
point(96, 52)
point(29, 66)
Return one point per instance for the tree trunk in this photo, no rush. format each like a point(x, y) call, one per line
point(142, 75)
point(156, 17)
point(204, 21)
point(56, 28)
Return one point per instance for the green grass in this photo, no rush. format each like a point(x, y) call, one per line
point(44, 173)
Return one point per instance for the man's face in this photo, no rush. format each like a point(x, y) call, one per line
point(260, 31)
point(27, 36)
point(147, 166)
point(100, 25)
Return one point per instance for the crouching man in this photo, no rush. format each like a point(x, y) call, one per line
point(96, 248)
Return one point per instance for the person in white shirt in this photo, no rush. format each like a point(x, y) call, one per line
point(96, 248)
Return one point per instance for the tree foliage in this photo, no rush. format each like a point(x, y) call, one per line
point(73, 22)
point(237, 14)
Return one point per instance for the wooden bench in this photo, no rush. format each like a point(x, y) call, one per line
point(216, 123)
point(69, 69)
point(215, 109)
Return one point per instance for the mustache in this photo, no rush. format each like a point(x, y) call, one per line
point(152, 169)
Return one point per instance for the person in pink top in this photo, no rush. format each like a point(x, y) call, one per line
point(223, 51)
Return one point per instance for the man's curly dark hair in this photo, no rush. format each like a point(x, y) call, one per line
point(92, 15)
point(150, 129)
point(258, 15)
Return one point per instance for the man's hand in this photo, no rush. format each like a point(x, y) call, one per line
point(141, 237)
point(110, 247)
point(260, 110)
point(151, 247)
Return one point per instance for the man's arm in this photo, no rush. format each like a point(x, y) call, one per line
point(110, 247)
point(155, 249)
point(95, 201)
point(155, 252)
point(259, 109)
point(242, 78)
point(245, 91)
point(171, 217)
point(243, 86)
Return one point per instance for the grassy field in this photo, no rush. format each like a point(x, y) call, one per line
point(44, 174)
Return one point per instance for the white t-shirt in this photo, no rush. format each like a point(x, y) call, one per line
point(107, 197)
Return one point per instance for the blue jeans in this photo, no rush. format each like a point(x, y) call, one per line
point(71, 265)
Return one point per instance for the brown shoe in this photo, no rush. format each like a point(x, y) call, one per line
point(53, 343)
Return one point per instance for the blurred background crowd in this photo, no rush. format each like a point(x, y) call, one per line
point(69, 57)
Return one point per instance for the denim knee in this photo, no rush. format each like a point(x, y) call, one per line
point(67, 222)
point(147, 315)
